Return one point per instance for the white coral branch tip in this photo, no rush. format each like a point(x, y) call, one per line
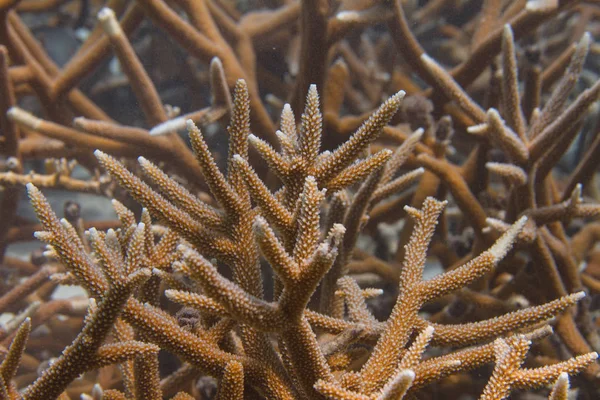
point(190, 125)
point(578, 295)
point(338, 231)
point(31, 188)
point(347, 16)
point(505, 242)
point(109, 22)
point(23, 117)
point(239, 159)
point(541, 5)
point(478, 130)
point(399, 383)
point(168, 126)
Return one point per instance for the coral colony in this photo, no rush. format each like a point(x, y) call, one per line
point(318, 199)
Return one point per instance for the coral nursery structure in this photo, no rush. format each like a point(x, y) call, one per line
point(317, 199)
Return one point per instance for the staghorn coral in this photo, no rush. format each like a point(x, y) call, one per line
point(287, 228)
point(278, 277)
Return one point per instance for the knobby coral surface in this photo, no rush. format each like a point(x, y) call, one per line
point(397, 229)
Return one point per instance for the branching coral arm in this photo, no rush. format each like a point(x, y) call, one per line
point(180, 196)
point(510, 84)
point(249, 309)
point(272, 209)
point(381, 364)
point(474, 332)
point(239, 129)
point(369, 131)
point(462, 276)
point(232, 383)
point(160, 207)
point(217, 183)
point(560, 390)
point(8, 368)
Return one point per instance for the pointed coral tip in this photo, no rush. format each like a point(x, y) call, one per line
point(578, 295)
point(506, 241)
point(418, 134)
point(105, 12)
point(190, 125)
point(99, 153)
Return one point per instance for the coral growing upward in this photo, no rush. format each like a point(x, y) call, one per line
point(281, 348)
